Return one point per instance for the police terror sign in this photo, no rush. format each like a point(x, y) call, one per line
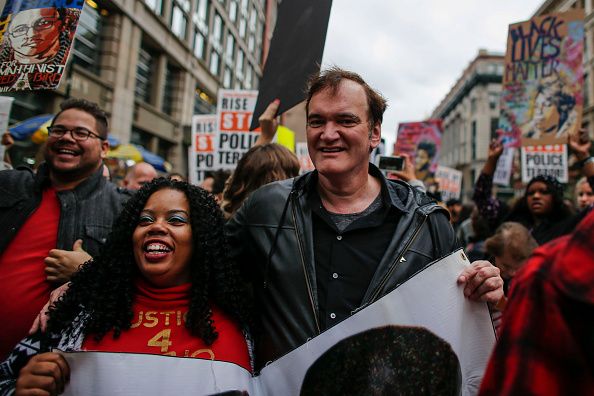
point(544, 160)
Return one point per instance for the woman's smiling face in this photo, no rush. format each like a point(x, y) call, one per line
point(162, 240)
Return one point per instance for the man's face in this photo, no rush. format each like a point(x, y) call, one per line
point(33, 32)
point(75, 158)
point(338, 132)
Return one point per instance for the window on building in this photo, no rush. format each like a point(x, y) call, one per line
point(203, 103)
point(494, 127)
point(242, 26)
point(472, 105)
point(155, 5)
point(87, 42)
point(199, 44)
point(473, 140)
point(217, 29)
point(145, 71)
point(230, 47)
point(201, 15)
point(253, 19)
point(233, 10)
point(215, 61)
point(493, 100)
point(239, 64)
point(586, 89)
point(163, 149)
point(179, 22)
point(248, 77)
point(244, 7)
point(140, 137)
point(170, 88)
point(227, 78)
point(251, 43)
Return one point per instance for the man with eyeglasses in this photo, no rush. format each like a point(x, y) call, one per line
point(56, 219)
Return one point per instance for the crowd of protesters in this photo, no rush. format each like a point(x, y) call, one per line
point(227, 255)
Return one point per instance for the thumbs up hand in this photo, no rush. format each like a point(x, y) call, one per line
point(61, 264)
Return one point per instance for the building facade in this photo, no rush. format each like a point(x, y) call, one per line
point(470, 114)
point(152, 64)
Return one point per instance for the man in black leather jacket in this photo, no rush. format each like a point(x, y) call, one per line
point(325, 244)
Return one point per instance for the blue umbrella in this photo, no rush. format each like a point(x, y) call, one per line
point(113, 141)
point(159, 163)
point(25, 129)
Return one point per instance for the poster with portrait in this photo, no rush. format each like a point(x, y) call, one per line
point(422, 142)
point(234, 115)
point(542, 98)
point(203, 151)
point(35, 41)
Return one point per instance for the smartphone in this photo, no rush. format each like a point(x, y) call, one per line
point(391, 163)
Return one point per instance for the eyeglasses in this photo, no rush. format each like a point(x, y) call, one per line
point(77, 133)
point(38, 26)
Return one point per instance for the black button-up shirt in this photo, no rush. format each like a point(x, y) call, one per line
point(346, 261)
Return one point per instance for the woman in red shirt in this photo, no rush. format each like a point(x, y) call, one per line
point(162, 285)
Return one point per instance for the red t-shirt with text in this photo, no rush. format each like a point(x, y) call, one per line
point(159, 328)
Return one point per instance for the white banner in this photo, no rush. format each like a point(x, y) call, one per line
point(234, 115)
point(504, 168)
point(431, 300)
point(545, 160)
point(450, 182)
point(203, 151)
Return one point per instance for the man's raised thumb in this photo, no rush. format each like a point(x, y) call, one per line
point(77, 247)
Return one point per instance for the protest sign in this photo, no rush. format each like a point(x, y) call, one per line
point(504, 168)
point(35, 41)
point(234, 114)
point(305, 163)
point(542, 99)
point(430, 307)
point(450, 182)
point(5, 106)
point(203, 151)
point(422, 142)
point(544, 160)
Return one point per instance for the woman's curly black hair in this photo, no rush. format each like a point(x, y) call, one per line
point(105, 289)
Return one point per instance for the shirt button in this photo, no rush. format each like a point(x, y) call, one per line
point(335, 275)
point(333, 315)
point(339, 237)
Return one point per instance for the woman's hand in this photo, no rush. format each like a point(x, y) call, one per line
point(495, 151)
point(580, 144)
point(408, 172)
point(45, 374)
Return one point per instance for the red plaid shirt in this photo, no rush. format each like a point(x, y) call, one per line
point(546, 344)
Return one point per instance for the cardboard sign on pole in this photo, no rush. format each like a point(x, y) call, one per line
point(234, 114)
point(504, 168)
point(203, 152)
point(544, 160)
point(422, 142)
point(542, 98)
point(35, 41)
point(450, 182)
